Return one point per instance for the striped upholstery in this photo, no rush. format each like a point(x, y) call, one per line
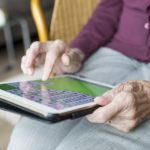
point(69, 16)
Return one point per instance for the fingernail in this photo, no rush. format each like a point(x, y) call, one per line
point(97, 99)
point(66, 61)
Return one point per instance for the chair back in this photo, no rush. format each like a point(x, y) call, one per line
point(68, 17)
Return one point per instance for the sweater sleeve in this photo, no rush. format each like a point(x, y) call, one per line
point(100, 28)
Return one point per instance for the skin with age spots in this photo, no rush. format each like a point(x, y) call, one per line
point(125, 107)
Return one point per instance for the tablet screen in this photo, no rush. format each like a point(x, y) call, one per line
point(58, 93)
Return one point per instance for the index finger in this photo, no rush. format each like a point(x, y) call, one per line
point(50, 60)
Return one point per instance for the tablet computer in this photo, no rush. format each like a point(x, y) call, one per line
point(59, 98)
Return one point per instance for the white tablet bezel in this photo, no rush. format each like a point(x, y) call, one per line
point(43, 109)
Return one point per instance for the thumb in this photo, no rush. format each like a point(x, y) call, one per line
point(65, 60)
point(104, 100)
point(103, 114)
point(71, 61)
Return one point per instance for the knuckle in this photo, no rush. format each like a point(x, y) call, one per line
point(33, 49)
point(60, 43)
point(128, 87)
point(130, 96)
point(130, 99)
point(35, 44)
point(45, 46)
point(71, 54)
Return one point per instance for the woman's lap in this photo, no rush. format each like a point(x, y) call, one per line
point(88, 136)
point(105, 66)
point(31, 134)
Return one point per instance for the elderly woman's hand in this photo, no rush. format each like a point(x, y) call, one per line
point(55, 57)
point(125, 107)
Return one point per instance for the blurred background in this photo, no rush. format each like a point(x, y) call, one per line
point(17, 31)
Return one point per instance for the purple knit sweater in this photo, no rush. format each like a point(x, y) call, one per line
point(123, 25)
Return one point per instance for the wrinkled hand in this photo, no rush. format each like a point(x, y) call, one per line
point(125, 107)
point(54, 56)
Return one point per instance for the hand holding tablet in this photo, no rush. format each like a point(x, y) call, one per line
point(59, 98)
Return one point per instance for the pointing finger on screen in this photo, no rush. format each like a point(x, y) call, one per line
point(54, 52)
